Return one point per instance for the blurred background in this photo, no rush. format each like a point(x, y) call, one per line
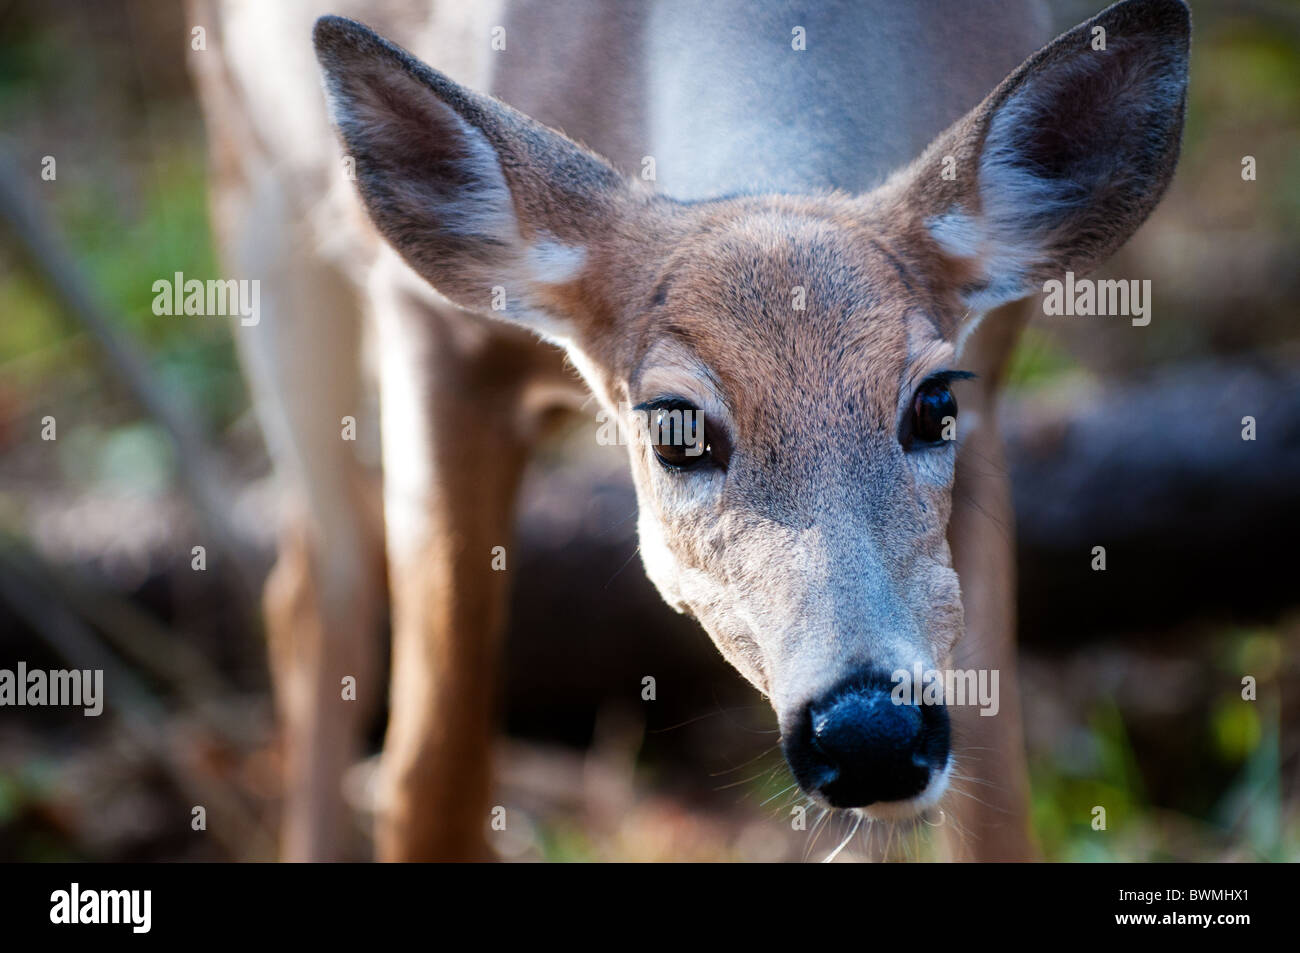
point(1125, 437)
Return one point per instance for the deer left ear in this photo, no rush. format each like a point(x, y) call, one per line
point(1060, 164)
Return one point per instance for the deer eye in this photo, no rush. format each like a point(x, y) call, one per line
point(933, 409)
point(675, 429)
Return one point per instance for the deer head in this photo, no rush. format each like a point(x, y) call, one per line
point(801, 516)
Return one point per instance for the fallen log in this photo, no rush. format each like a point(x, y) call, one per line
point(1196, 522)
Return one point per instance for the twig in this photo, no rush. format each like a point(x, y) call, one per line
point(199, 466)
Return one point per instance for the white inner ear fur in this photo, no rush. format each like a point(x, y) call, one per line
point(486, 208)
point(483, 209)
point(1020, 211)
point(551, 263)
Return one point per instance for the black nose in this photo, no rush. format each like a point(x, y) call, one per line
point(855, 746)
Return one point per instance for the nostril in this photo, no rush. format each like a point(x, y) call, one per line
point(866, 725)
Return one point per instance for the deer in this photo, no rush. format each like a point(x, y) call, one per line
point(850, 210)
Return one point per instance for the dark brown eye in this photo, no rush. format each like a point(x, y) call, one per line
point(934, 413)
point(675, 429)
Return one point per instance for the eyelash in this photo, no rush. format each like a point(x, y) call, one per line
point(945, 377)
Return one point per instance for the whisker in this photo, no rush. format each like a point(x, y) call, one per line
point(635, 552)
point(784, 790)
point(836, 852)
point(761, 754)
point(822, 823)
point(991, 807)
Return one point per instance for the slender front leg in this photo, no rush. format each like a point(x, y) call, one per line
point(323, 602)
point(989, 802)
point(453, 456)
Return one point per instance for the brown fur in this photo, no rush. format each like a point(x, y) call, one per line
point(825, 548)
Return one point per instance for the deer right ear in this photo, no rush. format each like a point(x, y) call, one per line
point(1060, 164)
point(483, 202)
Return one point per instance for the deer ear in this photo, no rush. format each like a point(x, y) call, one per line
point(483, 202)
point(1060, 164)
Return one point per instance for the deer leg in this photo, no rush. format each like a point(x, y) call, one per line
point(324, 599)
point(989, 802)
point(453, 457)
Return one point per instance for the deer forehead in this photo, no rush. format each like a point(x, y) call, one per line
point(777, 310)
